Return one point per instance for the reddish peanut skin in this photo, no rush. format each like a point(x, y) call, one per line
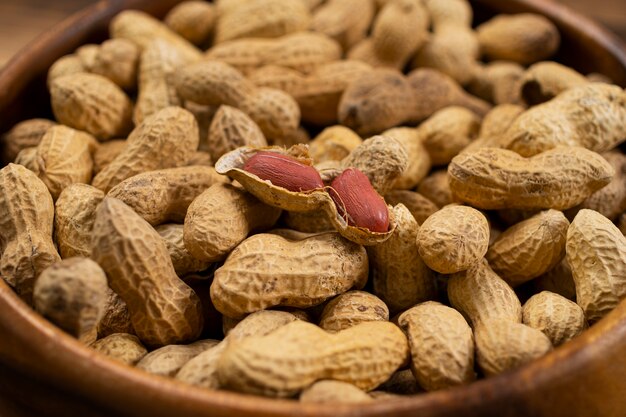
point(355, 197)
point(284, 171)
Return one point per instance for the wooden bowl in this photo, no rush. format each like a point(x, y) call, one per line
point(45, 372)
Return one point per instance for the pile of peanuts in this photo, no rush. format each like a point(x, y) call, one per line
point(455, 205)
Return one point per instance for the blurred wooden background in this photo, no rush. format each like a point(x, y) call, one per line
point(22, 20)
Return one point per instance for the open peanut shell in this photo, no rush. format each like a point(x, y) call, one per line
point(231, 164)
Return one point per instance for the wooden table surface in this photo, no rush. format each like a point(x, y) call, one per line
point(22, 20)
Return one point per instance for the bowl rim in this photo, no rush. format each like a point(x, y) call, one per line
point(94, 376)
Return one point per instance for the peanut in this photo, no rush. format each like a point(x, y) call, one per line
point(193, 20)
point(163, 309)
point(491, 178)
point(558, 280)
point(230, 129)
point(333, 392)
point(164, 195)
point(333, 144)
point(346, 21)
point(419, 159)
point(596, 252)
point(498, 82)
point(319, 355)
point(75, 214)
point(351, 308)
point(26, 220)
point(23, 135)
point(557, 317)
point(91, 103)
point(164, 140)
point(523, 38)
point(66, 65)
point(71, 294)
point(420, 207)
point(116, 318)
point(402, 383)
point(442, 345)
point(168, 360)
point(502, 346)
point(483, 297)
point(494, 124)
point(436, 188)
point(530, 248)
point(400, 276)
point(453, 239)
point(122, 347)
point(590, 116)
point(308, 222)
point(284, 171)
point(118, 60)
point(287, 272)
point(182, 260)
point(545, 80)
point(220, 218)
point(106, 152)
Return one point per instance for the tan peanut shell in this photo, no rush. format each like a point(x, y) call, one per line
point(271, 278)
point(116, 318)
point(346, 21)
point(529, 248)
point(232, 164)
point(106, 152)
point(26, 220)
point(300, 354)
point(435, 90)
point(436, 188)
point(172, 131)
point(91, 103)
point(558, 280)
point(590, 115)
point(335, 392)
point(557, 317)
point(118, 60)
point(453, 239)
point(143, 29)
point(621, 223)
point(383, 159)
point(333, 144)
point(73, 222)
point(220, 218)
point(193, 20)
point(123, 347)
point(87, 55)
point(482, 296)
point(263, 19)
point(164, 195)
point(400, 276)
point(419, 159)
point(202, 369)
point(545, 80)
point(159, 62)
point(72, 294)
point(447, 132)
point(27, 158)
point(276, 112)
point(163, 309)
point(308, 221)
point(498, 82)
point(184, 263)
point(491, 178)
point(420, 207)
point(493, 126)
point(596, 252)
point(377, 101)
point(200, 158)
point(168, 360)
point(351, 308)
point(402, 383)
point(63, 158)
point(502, 345)
point(301, 51)
point(610, 201)
point(442, 345)
point(23, 135)
point(523, 38)
point(230, 129)
point(66, 65)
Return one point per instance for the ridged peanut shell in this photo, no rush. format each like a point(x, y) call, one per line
point(117, 60)
point(193, 20)
point(453, 239)
point(558, 280)
point(73, 222)
point(334, 392)
point(163, 309)
point(351, 308)
point(436, 188)
point(419, 158)
point(420, 207)
point(168, 360)
point(333, 144)
point(596, 252)
point(106, 152)
point(25, 134)
point(91, 103)
point(123, 347)
point(230, 129)
point(184, 263)
point(491, 178)
point(502, 345)
point(400, 276)
point(116, 318)
point(557, 317)
point(442, 345)
point(293, 357)
point(482, 296)
point(545, 80)
point(346, 21)
point(530, 248)
point(280, 271)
